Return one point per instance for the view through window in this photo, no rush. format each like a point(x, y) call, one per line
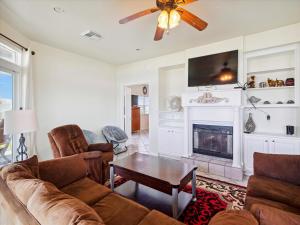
point(6, 103)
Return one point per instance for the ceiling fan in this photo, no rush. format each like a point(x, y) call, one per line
point(170, 16)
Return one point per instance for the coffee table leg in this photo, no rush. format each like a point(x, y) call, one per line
point(112, 178)
point(175, 202)
point(194, 186)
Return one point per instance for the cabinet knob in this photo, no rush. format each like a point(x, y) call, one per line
point(266, 140)
point(273, 141)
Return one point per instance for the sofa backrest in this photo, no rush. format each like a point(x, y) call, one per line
point(63, 171)
point(282, 167)
point(68, 139)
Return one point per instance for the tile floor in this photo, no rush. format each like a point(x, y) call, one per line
point(139, 142)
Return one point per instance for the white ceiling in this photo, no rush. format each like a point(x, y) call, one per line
point(226, 19)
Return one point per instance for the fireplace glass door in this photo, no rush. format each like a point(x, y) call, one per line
point(213, 140)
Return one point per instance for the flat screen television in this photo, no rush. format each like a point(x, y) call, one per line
point(214, 69)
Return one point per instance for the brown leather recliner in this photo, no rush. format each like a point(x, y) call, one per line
point(69, 140)
point(273, 192)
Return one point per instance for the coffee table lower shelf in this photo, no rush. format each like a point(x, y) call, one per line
point(153, 199)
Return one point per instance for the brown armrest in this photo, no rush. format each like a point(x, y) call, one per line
point(270, 215)
point(90, 155)
point(94, 163)
point(103, 147)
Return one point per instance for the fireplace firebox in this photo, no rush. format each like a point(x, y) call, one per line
point(213, 140)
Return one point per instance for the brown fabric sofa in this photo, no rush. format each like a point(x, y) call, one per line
point(69, 140)
point(58, 191)
point(273, 192)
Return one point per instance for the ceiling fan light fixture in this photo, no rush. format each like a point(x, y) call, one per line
point(163, 19)
point(174, 18)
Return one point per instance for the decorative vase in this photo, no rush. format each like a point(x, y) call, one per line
point(250, 125)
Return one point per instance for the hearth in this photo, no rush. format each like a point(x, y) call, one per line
point(213, 140)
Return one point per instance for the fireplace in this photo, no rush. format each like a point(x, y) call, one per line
point(213, 140)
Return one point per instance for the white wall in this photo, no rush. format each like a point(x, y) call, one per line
point(71, 89)
point(148, 70)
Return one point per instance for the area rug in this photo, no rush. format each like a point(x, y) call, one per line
point(213, 196)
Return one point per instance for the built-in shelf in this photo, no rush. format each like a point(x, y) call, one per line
point(270, 70)
point(272, 106)
point(270, 88)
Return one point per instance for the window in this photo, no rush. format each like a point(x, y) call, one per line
point(9, 54)
point(10, 67)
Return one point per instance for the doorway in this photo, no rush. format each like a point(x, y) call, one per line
point(136, 116)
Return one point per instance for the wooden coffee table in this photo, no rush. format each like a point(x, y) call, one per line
point(155, 182)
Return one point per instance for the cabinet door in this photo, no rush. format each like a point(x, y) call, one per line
point(285, 146)
point(251, 145)
point(171, 141)
point(177, 138)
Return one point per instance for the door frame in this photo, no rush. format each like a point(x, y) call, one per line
point(123, 117)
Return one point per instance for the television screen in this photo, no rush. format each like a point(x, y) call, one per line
point(214, 69)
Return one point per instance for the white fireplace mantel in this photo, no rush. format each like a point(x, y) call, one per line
point(214, 107)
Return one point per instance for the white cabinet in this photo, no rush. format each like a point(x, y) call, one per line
point(170, 141)
point(251, 145)
point(285, 146)
point(268, 144)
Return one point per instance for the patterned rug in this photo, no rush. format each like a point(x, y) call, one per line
point(213, 196)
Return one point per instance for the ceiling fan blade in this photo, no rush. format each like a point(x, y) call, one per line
point(191, 19)
point(184, 2)
point(138, 15)
point(159, 33)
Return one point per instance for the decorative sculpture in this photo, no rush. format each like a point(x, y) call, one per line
point(250, 125)
point(207, 97)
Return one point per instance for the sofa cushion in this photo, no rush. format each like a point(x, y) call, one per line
point(267, 215)
point(254, 200)
point(283, 167)
point(63, 171)
point(275, 190)
point(115, 210)
point(23, 188)
point(86, 190)
point(234, 217)
point(33, 164)
point(158, 218)
point(51, 206)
